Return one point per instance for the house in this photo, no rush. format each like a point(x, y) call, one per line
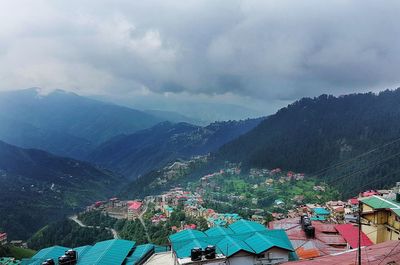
point(3, 239)
point(350, 233)
point(134, 209)
point(382, 217)
point(241, 243)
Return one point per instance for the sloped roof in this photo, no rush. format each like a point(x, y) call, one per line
point(218, 231)
point(350, 234)
point(244, 226)
point(47, 253)
point(186, 234)
point(183, 250)
point(261, 242)
point(377, 202)
point(139, 253)
point(107, 252)
point(230, 246)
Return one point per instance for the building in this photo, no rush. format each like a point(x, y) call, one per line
point(387, 253)
point(241, 243)
point(382, 218)
point(3, 239)
point(109, 252)
point(350, 233)
point(134, 209)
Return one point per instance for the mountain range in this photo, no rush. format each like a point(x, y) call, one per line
point(138, 153)
point(64, 123)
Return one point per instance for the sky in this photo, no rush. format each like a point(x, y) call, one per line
point(161, 54)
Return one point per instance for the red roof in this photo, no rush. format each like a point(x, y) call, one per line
point(135, 205)
point(383, 253)
point(350, 233)
point(353, 201)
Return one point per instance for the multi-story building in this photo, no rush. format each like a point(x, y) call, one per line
point(382, 217)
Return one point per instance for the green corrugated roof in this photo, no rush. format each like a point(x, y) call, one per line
point(230, 246)
point(186, 234)
point(261, 242)
point(397, 211)
point(218, 231)
point(9, 261)
point(244, 226)
point(107, 252)
point(46, 253)
point(377, 202)
point(139, 253)
point(321, 211)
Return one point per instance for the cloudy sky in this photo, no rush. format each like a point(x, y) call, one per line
point(160, 54)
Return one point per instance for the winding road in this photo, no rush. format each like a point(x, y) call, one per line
point(76, 220)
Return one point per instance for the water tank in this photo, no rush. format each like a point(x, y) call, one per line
point(72, 254)
point(210, 252)
point(310, 231)
point(64, 260)
point(195, 254)
point(48, 262)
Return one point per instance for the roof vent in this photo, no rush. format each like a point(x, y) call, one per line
point(195, 254)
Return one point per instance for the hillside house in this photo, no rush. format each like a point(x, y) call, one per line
point(383, 218)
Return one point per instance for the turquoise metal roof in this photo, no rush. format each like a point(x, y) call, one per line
point(230, 246)
point(184, 250)
point(261, 242)
point(82, 250)
point(46, 253)
point(218, 231)
point(139, 253)
point(318, 218)
point(321, 211)
point(244, 226)
point(108, 252)
point(186, 234)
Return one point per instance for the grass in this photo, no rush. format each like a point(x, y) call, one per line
point(20, 253)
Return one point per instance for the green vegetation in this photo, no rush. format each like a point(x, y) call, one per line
point(97, 218)
point(16, 252)
point(67, 233)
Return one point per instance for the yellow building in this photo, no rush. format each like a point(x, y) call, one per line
point(382, 218)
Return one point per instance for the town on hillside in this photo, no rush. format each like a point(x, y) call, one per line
point(281, 217)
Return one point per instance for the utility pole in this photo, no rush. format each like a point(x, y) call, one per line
point(359, 232)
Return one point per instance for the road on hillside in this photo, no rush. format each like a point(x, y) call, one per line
point(76, 220)
point(141, 220)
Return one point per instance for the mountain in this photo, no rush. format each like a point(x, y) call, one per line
point(317, 133)
point(38, 187)
point(64, 123)
point(138, 153)
point(174, 117)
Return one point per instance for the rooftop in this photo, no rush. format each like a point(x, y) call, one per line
point(242, 235)
point(350, 234)
point(377, 202)
point(383, 253)
point(327, 239)
point(109, 252)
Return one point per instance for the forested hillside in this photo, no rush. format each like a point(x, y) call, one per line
point(38, 187)
point(315, 133)
point(146, 150)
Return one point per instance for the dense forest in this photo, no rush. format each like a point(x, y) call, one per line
point(315, 134)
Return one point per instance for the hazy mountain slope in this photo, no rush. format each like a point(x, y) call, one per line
point(312, 134)
point(38, 187)
point(174, 117)
point(138, 153)
point(68, 121)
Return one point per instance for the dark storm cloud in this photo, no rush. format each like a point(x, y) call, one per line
point(270, 50)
